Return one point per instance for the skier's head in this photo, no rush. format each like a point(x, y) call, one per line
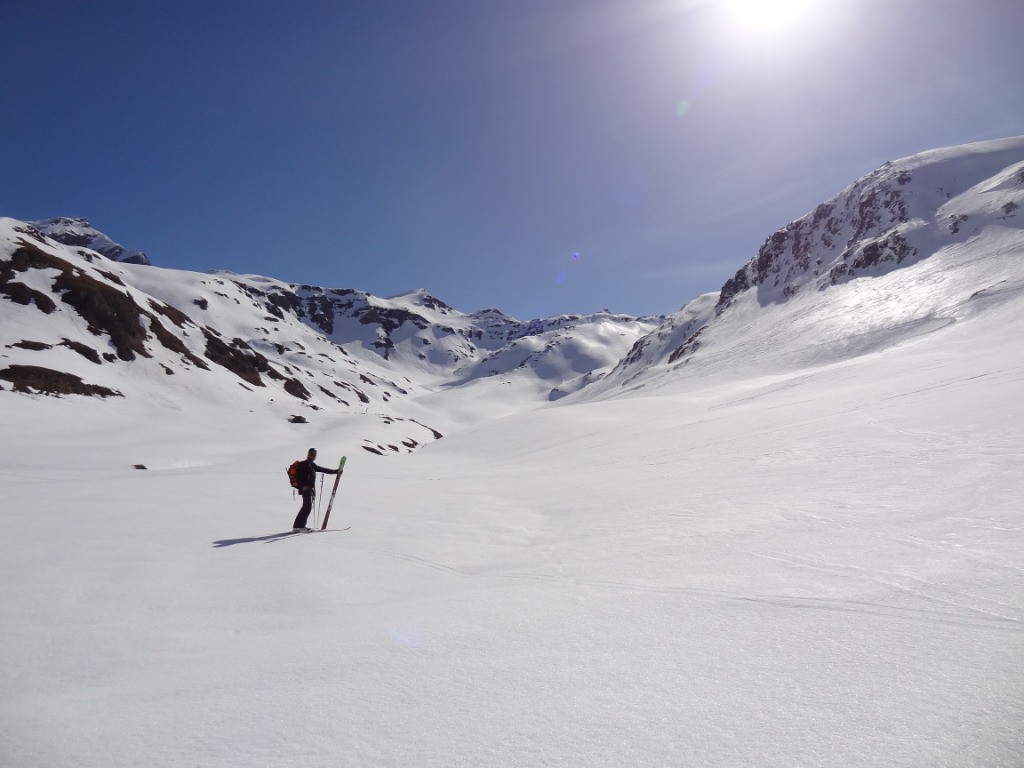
point(311, 454)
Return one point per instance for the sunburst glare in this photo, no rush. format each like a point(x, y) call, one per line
point(766, 15)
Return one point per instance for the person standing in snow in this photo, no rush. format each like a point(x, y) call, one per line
point(307, 487)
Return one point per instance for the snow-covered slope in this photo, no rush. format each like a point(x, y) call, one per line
point(77, 322)
point(903, 212)
point(821, 568)
point(914, 246)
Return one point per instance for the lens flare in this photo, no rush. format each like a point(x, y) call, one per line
point(758, 15)
point(410, 639)
point(563, 273)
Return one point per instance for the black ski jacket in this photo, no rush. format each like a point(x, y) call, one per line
point(307, 474)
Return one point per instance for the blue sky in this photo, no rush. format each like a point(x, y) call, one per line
point(538, 156)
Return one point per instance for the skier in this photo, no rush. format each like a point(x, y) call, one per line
point(307, 487)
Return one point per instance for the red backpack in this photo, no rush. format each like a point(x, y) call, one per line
point(293, 474)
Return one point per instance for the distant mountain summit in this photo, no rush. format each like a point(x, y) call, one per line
point(78, 232)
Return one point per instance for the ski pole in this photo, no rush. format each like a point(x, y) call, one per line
point(316, 515)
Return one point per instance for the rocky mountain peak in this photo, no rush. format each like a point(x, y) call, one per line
point(901, 212)
point(77, 232)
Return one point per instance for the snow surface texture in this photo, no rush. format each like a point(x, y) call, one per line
point(799, 543)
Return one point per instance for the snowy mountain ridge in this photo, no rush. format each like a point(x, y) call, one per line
point(76, 322)
point(904, 211)
point(855, 275)
point(935, 216)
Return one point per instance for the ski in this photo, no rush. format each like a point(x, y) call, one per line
point(334, 490)
point(293, 532)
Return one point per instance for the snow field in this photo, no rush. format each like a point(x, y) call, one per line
point(816, 569)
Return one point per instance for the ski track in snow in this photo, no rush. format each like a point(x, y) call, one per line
point(921, 588)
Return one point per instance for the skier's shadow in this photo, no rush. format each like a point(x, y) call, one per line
point(253, 539)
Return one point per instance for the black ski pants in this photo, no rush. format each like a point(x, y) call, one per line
point(307, 507)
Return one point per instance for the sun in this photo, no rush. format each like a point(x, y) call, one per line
point(766, 15)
